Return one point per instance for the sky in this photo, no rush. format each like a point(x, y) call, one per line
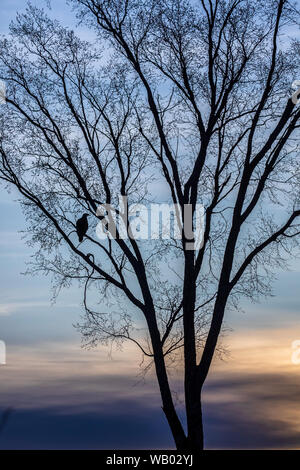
point(62, 396)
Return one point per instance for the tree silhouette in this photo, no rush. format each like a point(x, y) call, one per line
point(189, 98)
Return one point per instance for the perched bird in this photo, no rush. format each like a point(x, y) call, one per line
point(82, 226)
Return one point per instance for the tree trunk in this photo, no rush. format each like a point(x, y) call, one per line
point(194, 440)
point(163, 382)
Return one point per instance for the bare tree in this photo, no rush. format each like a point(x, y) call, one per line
point(192, 97)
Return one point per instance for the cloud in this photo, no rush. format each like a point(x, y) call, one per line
point(64, 375)
point(253, 412)
point(13, 307)
point(134, 428)
point(250, 400)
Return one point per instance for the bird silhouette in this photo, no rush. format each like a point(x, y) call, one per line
point(82, 226)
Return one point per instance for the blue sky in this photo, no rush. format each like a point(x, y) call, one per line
point(67, 397)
